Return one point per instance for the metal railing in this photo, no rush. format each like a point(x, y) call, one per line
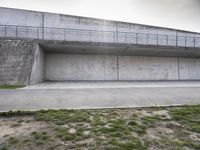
point(83, 35)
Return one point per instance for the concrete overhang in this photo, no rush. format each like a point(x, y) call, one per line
point(117, 49)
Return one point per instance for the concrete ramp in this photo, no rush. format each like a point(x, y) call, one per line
point(100, 95)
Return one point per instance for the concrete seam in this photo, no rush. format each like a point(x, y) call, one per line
point(43, 25)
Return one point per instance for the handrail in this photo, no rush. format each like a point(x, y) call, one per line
point(71, 34)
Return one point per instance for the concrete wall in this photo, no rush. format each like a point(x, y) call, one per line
point(81, 67)
point(107, 67)
point(16, 59)
point(20, 17)
point(148, 68)
point(38, 68)
point(189, 68)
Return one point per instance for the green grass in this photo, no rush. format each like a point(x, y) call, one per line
point(189, 116)
point(145, 123)
point(64, 134)
point(40, 138)
point(133, 144)
point(10, 143)
point(11, 86)
point(17, 113)
point(13, 140)
point(62, 117)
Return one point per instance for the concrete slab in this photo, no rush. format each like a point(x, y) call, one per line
point(108, 95)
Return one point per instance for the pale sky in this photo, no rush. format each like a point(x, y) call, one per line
point(179, 14)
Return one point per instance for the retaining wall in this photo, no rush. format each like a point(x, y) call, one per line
point(16, 59)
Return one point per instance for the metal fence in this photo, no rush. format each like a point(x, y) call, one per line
point(98, 36)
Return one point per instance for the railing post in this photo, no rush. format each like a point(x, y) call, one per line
point(185, 41)
point(194, 42)
point(114, 37)
point(90, 36)
point(37, 32)
point(136, 38)
point(125, 37)
point(5, 32)
point(77, 35)
point(43, 26)
point(101, 36)
point(147, 39)
point(16, 31)
point(157, 38)
point(117, 33)
point(64, 34)
point(43, 34)
point(167, 40)
point(27, 31)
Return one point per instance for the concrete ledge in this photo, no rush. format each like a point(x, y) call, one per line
point(55, 85)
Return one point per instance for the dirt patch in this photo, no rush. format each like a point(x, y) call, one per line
point(19, 126)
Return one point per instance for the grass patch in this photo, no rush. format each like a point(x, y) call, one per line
point(188, 116)
point(64, 134)
point(62, 117)
point(13, 141)
point(17, 113)
point(149, 121)
point(11, 86)
point(40, 138)
point(134, 143)
point(145, 123)
point(10, 143)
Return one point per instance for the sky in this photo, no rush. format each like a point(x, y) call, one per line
point(178, 14)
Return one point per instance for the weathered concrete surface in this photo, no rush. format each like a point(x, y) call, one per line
point(9, 16)
point(189, 68)
point(16, 59)
point(38, 68)
point(36, 99)
point(61, 67)
point(148, 68)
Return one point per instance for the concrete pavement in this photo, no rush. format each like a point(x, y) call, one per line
point(104, 97)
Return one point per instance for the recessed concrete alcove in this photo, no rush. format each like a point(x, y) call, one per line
point(57, 61)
